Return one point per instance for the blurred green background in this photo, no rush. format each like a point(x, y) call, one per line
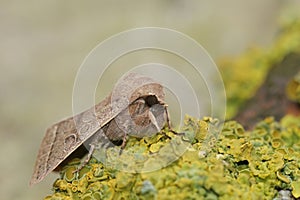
point(43, 43)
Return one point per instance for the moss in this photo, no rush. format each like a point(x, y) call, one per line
point(234, 167)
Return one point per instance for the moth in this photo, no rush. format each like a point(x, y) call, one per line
point(136, 107)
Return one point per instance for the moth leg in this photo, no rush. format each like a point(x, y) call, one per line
point(168, 116)
point(123, 143)
point(169, 121)
point(88, 158)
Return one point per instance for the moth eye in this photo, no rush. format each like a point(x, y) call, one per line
point(151, 100)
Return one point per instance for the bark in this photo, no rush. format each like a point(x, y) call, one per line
point(270, 99)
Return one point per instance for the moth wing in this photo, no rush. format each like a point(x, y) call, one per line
point(64, 137)
point(59, 142)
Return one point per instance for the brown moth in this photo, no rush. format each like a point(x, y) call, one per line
point(136, 106)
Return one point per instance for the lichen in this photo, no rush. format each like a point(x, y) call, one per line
point(239, 165)
point(293, 88)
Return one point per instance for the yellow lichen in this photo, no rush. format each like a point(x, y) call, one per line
point(296, 189)
point(235, 166)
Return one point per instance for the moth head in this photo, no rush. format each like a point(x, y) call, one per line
point(151, 100)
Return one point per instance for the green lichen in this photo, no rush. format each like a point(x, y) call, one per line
point(235, 164)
